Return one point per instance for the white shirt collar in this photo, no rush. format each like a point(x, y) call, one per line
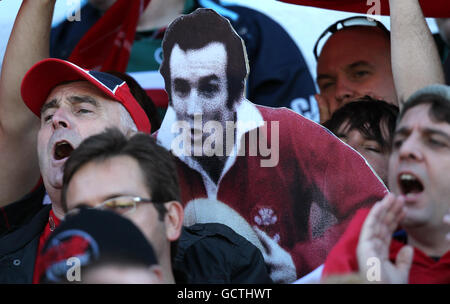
point(248, 118)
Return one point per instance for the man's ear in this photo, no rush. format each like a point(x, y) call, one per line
point(324, 108)
point(173, 220)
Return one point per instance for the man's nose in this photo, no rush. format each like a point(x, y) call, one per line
point(60, 119)
point(345, 92)
point(193, 104)
point(410, 149)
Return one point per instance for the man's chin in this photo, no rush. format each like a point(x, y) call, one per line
point(53, 186)
point(55, 181)
point(414, 219)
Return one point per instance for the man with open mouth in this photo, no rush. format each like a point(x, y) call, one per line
point(70, 104)
point(73, 104)
point(402, 239)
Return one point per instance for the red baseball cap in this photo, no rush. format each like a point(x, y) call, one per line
point(48, 73)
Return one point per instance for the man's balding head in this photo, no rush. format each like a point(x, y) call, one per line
point(353, 63)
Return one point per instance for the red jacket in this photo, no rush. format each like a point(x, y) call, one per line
point(424, 270)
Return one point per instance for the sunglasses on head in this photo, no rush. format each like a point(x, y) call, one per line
point(345, 23)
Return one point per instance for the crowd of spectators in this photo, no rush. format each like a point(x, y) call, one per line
point(203, 174)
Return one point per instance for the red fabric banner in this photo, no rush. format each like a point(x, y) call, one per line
point(434, 8)
point(107, 45)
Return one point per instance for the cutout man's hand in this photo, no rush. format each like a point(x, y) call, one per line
point(281, 265)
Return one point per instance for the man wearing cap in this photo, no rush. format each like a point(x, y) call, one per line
point(419, 167)
point(362, 58)
point(84, 104)
point(97, 247)
point(70, 104)
point(73, 104)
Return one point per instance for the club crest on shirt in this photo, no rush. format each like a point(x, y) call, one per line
point(265, 219)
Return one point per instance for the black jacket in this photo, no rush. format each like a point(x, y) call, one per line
point(18, 249)
point(20, 212)
point(214, 253)
point(207, 253)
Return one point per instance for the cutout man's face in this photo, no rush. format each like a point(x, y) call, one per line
point(199, 81)
point(199, 86)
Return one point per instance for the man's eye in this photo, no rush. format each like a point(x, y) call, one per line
point(47, 117)
point(84, 111)
point(373, 149)
point(208, 89)
point(360, 74)
point(372, 146)
point(397, 143)
point(436, 143)
point(118, 205)
point(181, 87)
point(325, 85)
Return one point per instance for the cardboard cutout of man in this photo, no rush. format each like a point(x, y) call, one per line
point(286, 176)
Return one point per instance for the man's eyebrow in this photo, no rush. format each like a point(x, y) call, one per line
point(108, 197)
point(431, 131)
point(116, 195)
point(52, 104)
point(427, 131)
point(73, 99)
point(181, 83)
point(324, 77)
point(83, 99)
point(358, 64)
point(209, 78)
point(402, 131)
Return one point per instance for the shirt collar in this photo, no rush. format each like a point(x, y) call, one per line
point(248, 118)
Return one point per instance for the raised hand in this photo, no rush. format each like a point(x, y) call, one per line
point(375, 239)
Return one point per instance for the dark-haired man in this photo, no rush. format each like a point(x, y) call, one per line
point(418, 178)
point(367, 125)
